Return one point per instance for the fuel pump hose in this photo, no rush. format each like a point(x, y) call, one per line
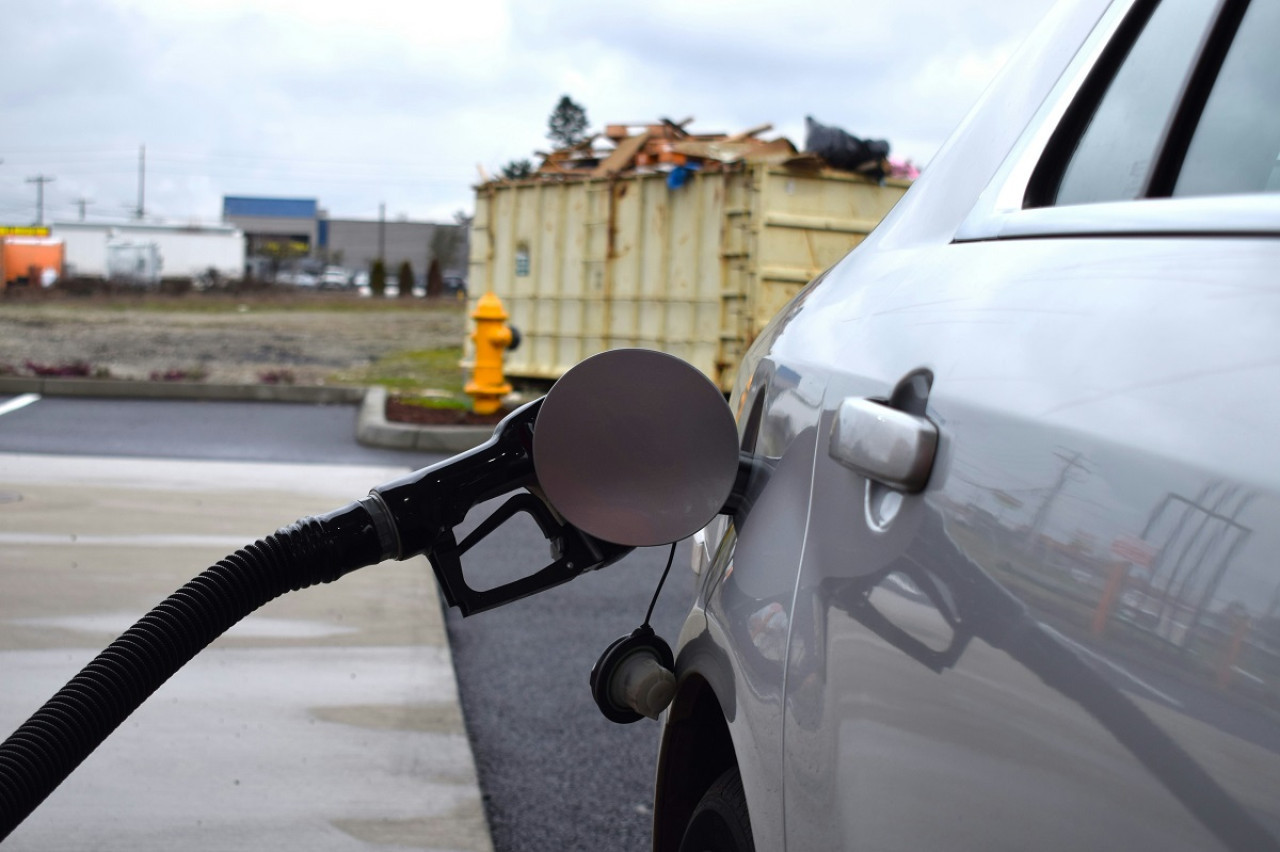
point(41, 753)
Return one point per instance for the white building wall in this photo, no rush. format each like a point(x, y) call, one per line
point(184, 251)
point(86, 251)
point(188, 253)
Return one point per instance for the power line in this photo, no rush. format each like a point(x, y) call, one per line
point(202, 162)
point(40, 181)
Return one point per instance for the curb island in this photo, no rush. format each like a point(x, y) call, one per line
point(372, 427)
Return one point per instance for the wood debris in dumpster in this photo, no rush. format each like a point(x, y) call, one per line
point(671, 147)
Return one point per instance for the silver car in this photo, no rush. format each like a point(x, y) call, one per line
point(1007, 574)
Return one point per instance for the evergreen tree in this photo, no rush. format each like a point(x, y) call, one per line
point(435, 280)
point(568, 123)
point(378, 277)
point(517, 169)
point(404, 278)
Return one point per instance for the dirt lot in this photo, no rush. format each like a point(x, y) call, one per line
point(311, 338)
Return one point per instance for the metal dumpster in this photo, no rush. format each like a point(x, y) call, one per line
point(586, 264)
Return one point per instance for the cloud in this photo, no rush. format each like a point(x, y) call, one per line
point(381, 101)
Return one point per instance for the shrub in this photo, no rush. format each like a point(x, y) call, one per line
point(404, 277)
point(278, 377)
point(73, 369)
point(178, 374)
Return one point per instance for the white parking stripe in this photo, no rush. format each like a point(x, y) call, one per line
point(18, 402)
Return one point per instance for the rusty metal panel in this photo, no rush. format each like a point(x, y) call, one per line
point(808, 222)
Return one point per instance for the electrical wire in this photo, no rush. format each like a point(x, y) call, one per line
point(665, 571)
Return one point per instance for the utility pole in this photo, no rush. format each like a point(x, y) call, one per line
point(83, 203)
point(40, 181)
point(382, 232)
point(142, 182)
point(1071, 462)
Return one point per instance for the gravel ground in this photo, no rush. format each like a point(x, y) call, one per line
point(232, 341)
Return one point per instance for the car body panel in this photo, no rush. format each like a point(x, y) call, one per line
point(1090, 411)
point(1071, 637)
point(745, 601)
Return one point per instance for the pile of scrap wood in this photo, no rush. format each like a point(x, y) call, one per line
point(668, 145)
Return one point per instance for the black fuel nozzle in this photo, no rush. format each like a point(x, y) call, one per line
point(418, 513)
point(415, 512)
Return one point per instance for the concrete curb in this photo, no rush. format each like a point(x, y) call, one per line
point(373, 430)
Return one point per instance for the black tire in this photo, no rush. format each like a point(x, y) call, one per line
point(720, 822)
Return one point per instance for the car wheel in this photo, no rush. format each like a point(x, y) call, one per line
point(720, 822)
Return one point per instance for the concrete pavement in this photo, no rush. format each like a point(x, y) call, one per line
point(328, 720)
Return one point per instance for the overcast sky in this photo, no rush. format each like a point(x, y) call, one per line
point(366, 101)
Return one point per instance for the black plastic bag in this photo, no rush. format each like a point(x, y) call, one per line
point(845, 151)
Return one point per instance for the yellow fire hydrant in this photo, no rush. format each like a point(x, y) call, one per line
point(492, 337)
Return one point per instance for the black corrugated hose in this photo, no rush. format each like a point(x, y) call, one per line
point(37, 757)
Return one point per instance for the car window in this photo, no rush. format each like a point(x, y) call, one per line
point(1237, 140)
point(1117, 150)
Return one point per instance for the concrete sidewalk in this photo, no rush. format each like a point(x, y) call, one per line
point(328, 720)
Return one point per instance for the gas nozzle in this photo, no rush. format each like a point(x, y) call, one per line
point(418, 513)
point(631, 448)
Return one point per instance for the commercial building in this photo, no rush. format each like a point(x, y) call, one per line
point(271, 221)
point(293, 229)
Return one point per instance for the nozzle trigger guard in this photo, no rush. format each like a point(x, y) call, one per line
point(574, 552)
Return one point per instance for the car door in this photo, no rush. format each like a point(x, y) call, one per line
point(1067, 636)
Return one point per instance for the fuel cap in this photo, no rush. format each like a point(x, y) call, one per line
point(635, 447)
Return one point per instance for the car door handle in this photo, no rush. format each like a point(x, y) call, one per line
point(881, 443)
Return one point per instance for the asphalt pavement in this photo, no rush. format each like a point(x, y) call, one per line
point(210, 429)
point(555, 773)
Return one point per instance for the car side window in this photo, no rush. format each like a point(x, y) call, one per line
point(1237, 141)
point(1183, 101)
point(1117, 147)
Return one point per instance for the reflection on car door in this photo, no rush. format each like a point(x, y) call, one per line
point(1099, 481)
point(1071, 637)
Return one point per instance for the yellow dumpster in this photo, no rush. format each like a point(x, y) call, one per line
point(587, 263)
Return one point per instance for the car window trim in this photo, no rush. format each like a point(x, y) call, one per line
point(1255, 215)
point(1046, 177)
point(1195, 95)
point(1192, 93)
point(1005, 192)
point(1000, 213)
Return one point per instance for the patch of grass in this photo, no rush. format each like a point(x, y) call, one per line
point(435, 403)
point(410, 370)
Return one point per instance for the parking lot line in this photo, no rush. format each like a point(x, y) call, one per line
point(18, 402)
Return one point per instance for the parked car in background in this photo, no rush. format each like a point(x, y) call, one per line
point(1006, 575)
point(455, 287)
point(335, 277)
point(297, 278)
